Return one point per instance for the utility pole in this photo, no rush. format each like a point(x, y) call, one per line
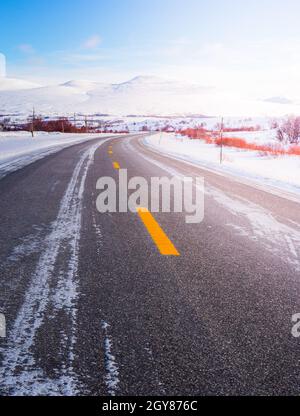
point(74, 123)
point(32, 122)
point(86, 124)
point(221, 140)
point(160, 136)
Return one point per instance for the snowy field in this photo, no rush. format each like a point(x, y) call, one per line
point(18, 149)
point(263, 137)
point(282, 172)
point(181, 123)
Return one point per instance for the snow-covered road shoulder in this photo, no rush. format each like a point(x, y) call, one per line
point(19, 149)
point(281, 173)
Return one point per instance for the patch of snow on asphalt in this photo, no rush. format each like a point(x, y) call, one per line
point(30, 244)
point(279, 238)
point(20, 373)
point(112, 370)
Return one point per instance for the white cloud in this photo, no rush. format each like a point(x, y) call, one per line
point(82, 58)
point(26, 48)
point(92, 42)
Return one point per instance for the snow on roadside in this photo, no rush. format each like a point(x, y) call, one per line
point(267, 136)
point(282, 172)
point(18, 149)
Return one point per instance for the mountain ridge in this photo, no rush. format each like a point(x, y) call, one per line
point(141, 96)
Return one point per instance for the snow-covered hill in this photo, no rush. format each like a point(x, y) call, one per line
point(142, 95)
point(139, 96)
point(11, 84)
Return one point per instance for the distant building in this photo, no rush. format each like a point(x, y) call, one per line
point(2, 65)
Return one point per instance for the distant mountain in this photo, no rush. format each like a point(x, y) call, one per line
point(142, 95)
point(278, 100)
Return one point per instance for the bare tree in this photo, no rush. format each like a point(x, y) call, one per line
point(274, 123)
point(6, 124)
point(288, 131)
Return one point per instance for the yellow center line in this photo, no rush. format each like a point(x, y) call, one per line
point(165, 246)
point(110, 152)
point(116, 165)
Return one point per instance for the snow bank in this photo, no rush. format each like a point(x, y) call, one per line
point(18, 149)
point(267, 136)
point(282, 172)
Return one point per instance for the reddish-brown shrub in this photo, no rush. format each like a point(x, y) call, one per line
point(240, 143)
point(61, 125)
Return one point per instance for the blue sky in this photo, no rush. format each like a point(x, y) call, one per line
point(215, 42)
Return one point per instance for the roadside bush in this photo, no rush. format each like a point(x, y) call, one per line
point(61, 125)
point(288, 131)
point(239, 143)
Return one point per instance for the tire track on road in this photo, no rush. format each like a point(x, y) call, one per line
point(53, 287)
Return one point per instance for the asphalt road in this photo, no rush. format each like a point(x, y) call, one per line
point(93, 308)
